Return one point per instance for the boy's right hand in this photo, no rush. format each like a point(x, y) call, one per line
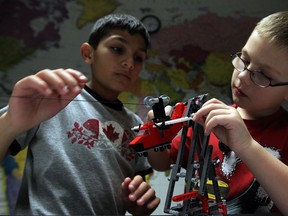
point(226, 123)
point(38, 97)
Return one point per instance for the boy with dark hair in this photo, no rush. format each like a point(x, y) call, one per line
point(78, 159)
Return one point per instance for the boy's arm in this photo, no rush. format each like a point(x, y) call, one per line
point(269, 171)
point(229, 127)
point(7, 136)
point(37, 98)
point(160, 161)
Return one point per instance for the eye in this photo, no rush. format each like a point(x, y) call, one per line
point(264, 74)
point(246, 62)
point(139, 58)
point(118, 50)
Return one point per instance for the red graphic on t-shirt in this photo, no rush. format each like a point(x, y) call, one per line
point(88, 135)
point(111, 133)
point(93, 126)
point(85, 137)
point(126, 151)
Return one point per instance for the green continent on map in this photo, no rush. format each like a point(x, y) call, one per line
point(92, 10)
point(218, 68)
point(12, 52)
point(27, 26)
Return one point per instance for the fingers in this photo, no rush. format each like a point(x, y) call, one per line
point(62, 81)
point(153, 204)
point(213, 113)
point(218, 117)
point(168, 110)
point(141, 193)
point(137, 188)
point(59, 81)
point(124, 186)
point(30, 84)
point(150, 114)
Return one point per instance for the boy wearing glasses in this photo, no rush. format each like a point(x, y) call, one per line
point(255, 128)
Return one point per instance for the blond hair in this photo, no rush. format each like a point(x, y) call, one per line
point(274, 28)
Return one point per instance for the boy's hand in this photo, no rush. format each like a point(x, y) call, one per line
point(225, 122)
point(38, 97)
point(150, 114)
point(138, 196)
point(159, 160)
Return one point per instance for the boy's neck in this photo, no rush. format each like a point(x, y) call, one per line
point(116, 104)
point(255, 114)
point(106, 95)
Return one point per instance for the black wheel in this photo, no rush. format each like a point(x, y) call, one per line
point(156, 149)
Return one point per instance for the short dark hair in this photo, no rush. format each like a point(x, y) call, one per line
point(106, 24)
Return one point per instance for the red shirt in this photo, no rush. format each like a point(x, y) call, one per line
point(271, 132)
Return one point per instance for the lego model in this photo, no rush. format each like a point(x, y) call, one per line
point(158, 134)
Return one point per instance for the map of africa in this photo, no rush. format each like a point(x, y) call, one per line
point(190, 54)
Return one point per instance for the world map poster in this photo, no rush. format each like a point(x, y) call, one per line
point(191, 44)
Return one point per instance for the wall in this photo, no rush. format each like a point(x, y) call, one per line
point(190, 52)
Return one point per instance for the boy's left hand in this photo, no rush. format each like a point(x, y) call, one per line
point(138, 196)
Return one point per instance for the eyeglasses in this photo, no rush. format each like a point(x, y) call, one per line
point(257, 77)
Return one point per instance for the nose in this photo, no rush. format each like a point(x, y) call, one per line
point(244, 76)
point(128, 63)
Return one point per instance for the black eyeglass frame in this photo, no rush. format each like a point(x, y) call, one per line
point(238, 54)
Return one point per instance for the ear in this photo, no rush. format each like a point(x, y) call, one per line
point(87, 53)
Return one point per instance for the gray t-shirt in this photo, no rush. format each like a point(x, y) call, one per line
point(77, 160)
